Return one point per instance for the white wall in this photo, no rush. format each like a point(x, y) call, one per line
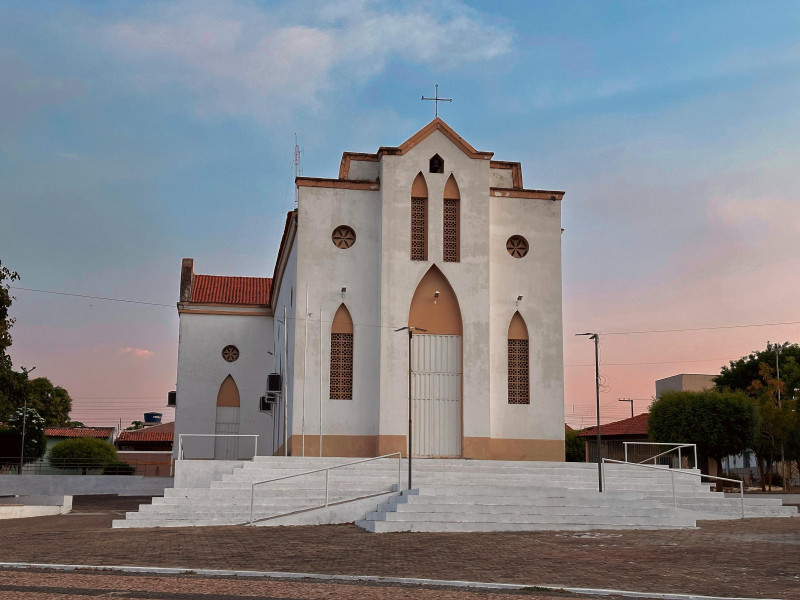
point(201, 371)
point(327, 269)
point(537, 278)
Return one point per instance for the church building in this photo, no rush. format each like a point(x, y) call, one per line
point(431, 235)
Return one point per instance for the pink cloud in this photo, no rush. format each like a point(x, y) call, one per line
point(137, 352)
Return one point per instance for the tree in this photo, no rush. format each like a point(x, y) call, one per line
point(35, 441)
point(719, 422)
point(83, 452)
point(52, 402)
point(135, 425)
point(574, 446)
point(6, 278)
point(777, 397)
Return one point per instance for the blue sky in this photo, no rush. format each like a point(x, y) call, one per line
point(134, 134)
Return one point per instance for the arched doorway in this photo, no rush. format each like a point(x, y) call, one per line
point(436, 367)
point(227, 423)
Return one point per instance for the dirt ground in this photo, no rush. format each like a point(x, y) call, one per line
point(756, 558)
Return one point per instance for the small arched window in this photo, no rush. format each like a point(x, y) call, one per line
point(518, 362)
point(342, 355)
point(419, 219)
point(436, 164)
point(451, 238)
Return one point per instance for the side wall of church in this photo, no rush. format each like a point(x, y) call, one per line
point(469, 279)
point(285, 343)
point(537, 278)
point(349, 427)
point(201, 371)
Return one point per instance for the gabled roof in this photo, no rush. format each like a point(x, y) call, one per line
point(158, 433)
point(222, 289)
point(635, 426)
point(79, 432)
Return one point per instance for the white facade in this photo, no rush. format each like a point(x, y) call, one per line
point(376, 279)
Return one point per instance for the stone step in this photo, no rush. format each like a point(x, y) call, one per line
point(673, 520)
point(422, 526)
point(490, 511)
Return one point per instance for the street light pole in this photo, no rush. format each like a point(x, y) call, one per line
point(411, 331)
point(24, 419)
point(596, 338)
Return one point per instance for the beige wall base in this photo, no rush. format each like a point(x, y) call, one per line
point(479, 448)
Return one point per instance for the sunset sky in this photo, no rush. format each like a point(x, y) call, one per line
point(135, 134)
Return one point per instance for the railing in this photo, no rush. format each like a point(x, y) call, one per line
point(673, 446)
point(672, 475)
point(326, 470)
point(216, 435)
point(65, 466)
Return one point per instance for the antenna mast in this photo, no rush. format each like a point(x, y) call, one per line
point(298, 170)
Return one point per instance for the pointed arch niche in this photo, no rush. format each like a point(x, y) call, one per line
point(436, 367)
point(419, 218)
point(227, 421)
point(518, 361)
point(341, 371)
point(451, 221)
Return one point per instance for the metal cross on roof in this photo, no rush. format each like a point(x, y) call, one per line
point(436, 100)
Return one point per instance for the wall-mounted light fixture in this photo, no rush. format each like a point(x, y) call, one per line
point(435, 296)
point(519, 299)
point(344, 291)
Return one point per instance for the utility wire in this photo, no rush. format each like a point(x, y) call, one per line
point(92, 297)
point(700, 328)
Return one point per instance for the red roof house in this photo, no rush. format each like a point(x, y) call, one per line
point(158, 437)
point(612, 438)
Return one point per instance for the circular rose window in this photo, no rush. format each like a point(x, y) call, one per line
point(343, 237)
point(230, 353)
point(517, 246)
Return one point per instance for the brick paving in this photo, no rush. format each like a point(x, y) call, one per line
point(751, 558)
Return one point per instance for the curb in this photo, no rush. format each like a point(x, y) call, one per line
point(367, 578)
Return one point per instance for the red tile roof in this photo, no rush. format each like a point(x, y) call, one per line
point(634, 426)
point(158, 433)
point(220, 289)
point(79, 432)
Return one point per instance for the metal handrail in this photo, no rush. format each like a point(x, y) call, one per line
point(672, 475)
point(326, 470)
point(215, 435)
point(673, 444)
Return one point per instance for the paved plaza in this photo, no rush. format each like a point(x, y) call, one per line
point(755, 558)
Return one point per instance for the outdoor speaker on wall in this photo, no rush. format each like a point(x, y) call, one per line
point(274, 382)
point(172, 398)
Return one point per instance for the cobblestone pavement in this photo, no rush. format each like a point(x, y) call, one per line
point(38, 585)
point(746, 558)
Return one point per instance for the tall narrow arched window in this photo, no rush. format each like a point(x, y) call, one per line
point(451, 238)
point(518, 362)
point(342, 355)
point(419, 219)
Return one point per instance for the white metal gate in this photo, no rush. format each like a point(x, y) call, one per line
point(436, 395)
point(227, 448)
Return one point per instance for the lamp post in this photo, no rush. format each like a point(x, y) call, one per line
point(24, 419)
point(596, 338)
point(411, 331)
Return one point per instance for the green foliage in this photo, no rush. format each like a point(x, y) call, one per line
point(52, 402)
point(6, 323)
point(777, 398)
point(118, 468)
point(84, 451)
point(135, 425)
point(35, 441)
point(574, 447)
point(720, 423)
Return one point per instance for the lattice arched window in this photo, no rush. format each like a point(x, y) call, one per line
point(342, 355)
point(518, 362)
point(451, 237)
point(419, 219)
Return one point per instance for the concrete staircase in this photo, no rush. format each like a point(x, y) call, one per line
point(449, 495)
